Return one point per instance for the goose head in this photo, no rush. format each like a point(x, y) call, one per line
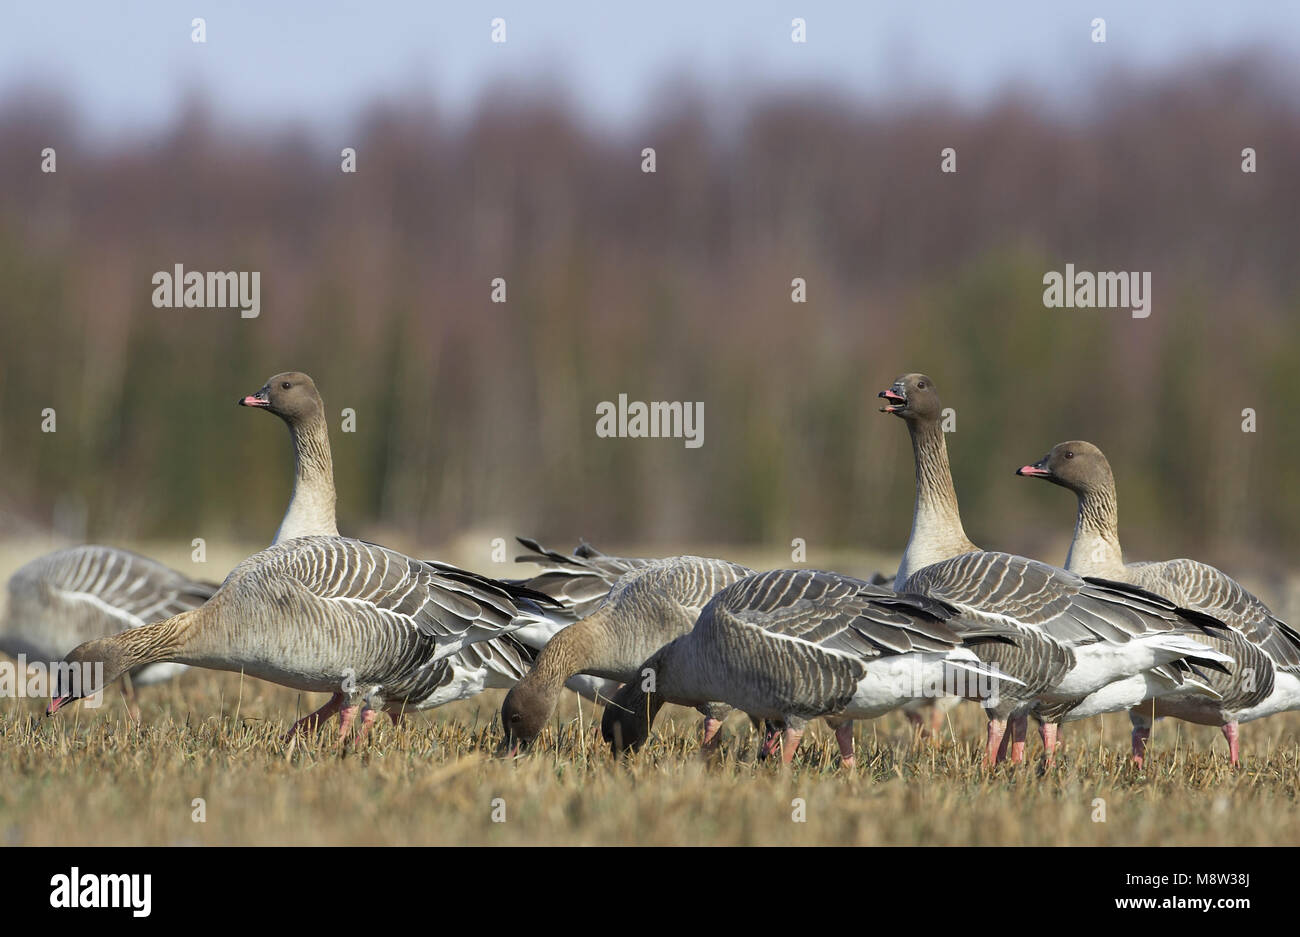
point(1077, 465)
point(79, 675)
point(524, 712)
point(912, 397)
point(292, 396)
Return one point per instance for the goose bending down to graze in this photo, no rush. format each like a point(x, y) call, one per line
point(1267, 678)
point(791, 645)
point(64, 598)
point(332, 615)
point(293, 397)
point(647, 607)
point(1077, 635)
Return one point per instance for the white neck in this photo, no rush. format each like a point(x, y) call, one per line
point(311, 506)
point(937, 532)
point(1095, 549)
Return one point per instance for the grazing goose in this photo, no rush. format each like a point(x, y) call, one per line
point(647, 607)
point(293, 397)
point(1077, 635)
point(791, 645)
point(1267, 680)
point(332, 615)
point(63, 598)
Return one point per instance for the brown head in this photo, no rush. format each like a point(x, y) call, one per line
point(627, 719)
point(914, 398)
point(1077, 465)
point(86, 670)
point(525, 710)
point(292, 396)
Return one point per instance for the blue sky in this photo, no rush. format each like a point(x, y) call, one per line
point(127, 65)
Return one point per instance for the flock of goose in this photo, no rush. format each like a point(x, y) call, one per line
point(382, 631)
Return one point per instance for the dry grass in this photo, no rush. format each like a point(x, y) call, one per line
point(91, 777)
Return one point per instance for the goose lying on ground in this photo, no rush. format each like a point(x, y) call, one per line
point(792, 645)
point(1267, 678)
point(63, 598)
point(293, 397)
point(1077, 635)
point(331, 615)
point(647, 607)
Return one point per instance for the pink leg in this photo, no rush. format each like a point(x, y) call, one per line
point(844, 735)
point(1019, 726)
point(346, 715)
point(712, 735)
point(936, 721)
point(1140, 737)
point(319, 716)
point(1048, 730)
point(789, 744)
point(1230, 733)
point(997, 743)
point(367, 720)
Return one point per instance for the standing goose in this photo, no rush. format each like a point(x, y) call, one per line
point(1077, 635)
point(293, 397)
point(647, 607)
point(330, 615)
point(1267, 680)
point(63, 598)
point(791, 645)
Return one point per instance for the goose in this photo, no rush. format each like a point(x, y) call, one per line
point(293, 397)
point(1078, 635)
point(1267, 680)
point(330, 615)
point(795, 644)
point(647, 607)
point(61, 599)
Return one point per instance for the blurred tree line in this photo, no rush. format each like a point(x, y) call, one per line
point(674, 285)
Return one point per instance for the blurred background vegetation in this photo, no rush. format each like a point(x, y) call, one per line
point(668, 286)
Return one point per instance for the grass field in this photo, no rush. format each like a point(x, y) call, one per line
point(92, 777)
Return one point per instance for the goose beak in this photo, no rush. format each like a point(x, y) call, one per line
point(56, 704)
point(259, 399)
point(896, 401)
point(1034, 471)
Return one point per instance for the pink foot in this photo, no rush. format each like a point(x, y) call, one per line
point(1048, 731)
point(367, 720)
point(844, 735)
point(346, 715)
point(1019, 726)
point(1230, 733)
point(789, 744)
point(712, 736)
point(997, 742)
point(1140, 737)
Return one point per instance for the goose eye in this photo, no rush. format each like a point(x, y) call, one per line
point(1069, 455)
point(920, 385)
point(286, 385)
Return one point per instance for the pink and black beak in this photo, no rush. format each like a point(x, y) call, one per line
point(58, 703)
point(895, 401)
point(1038, 470)
point(260, 399)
